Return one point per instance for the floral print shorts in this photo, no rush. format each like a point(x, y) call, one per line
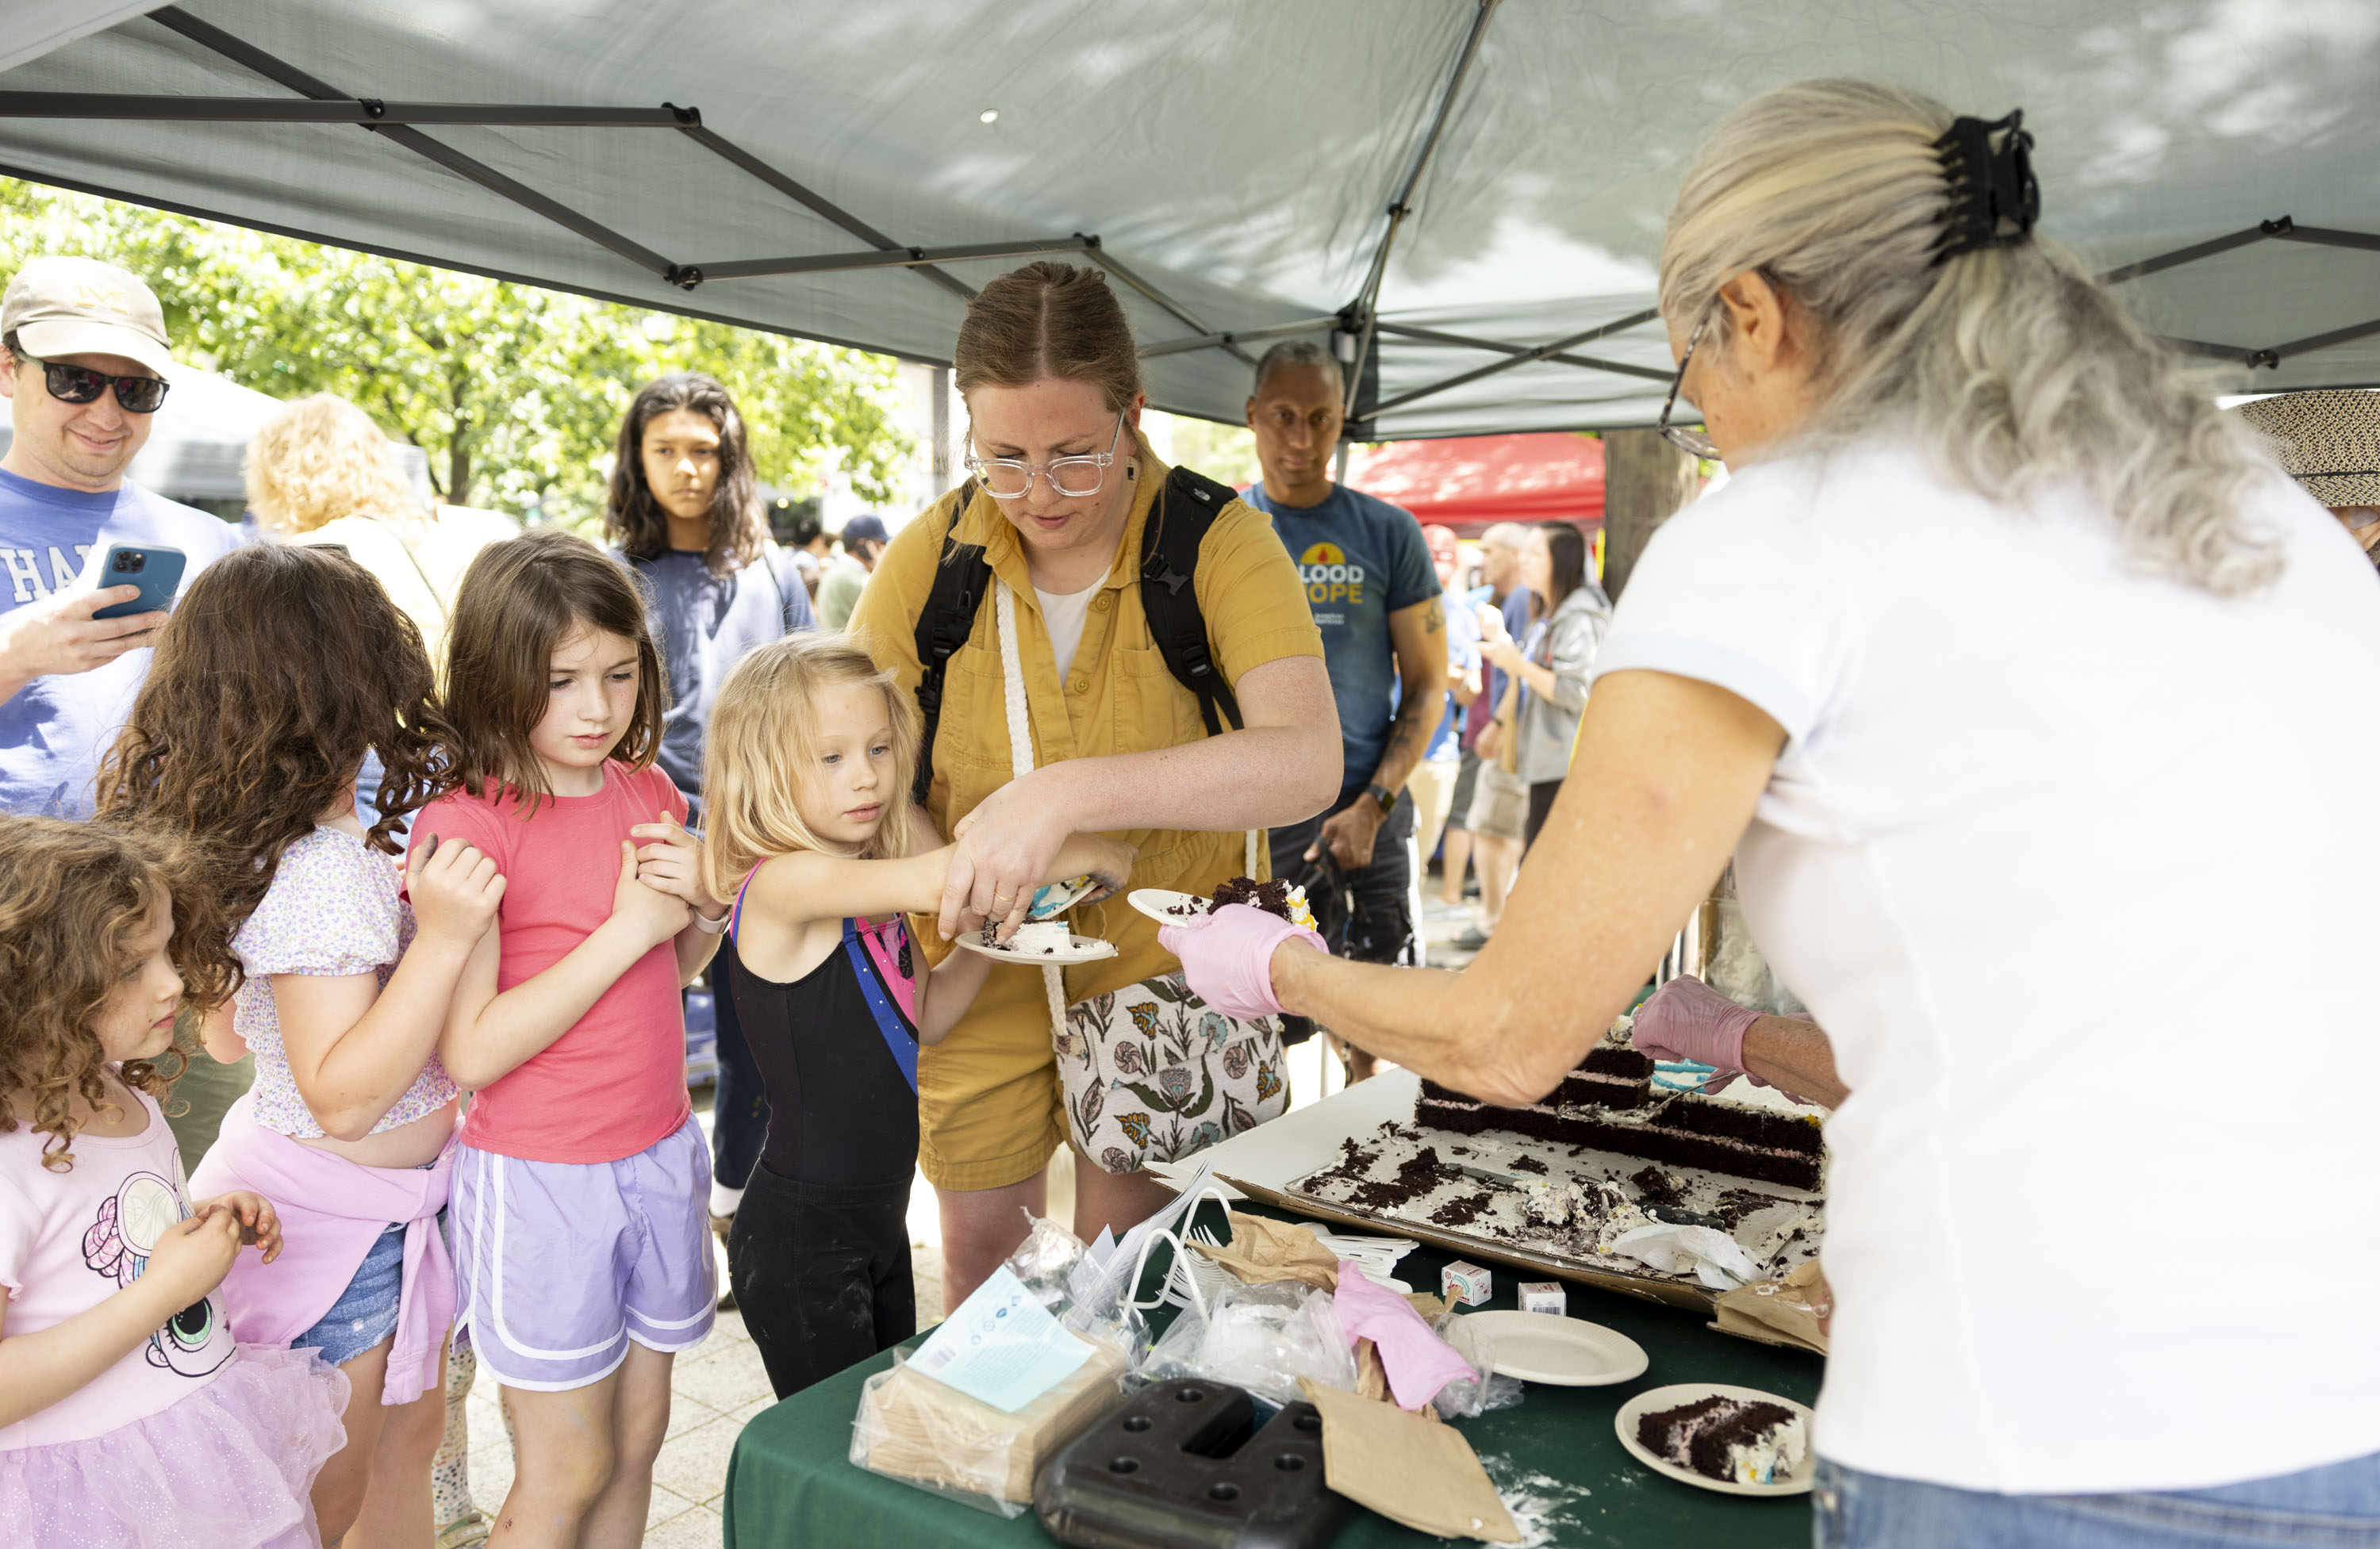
point(1151, 1075)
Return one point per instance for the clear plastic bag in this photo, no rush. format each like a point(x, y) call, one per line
point(926, 1432)
point(1261, 1337)
point(1485, 1390)
point(918, 1431)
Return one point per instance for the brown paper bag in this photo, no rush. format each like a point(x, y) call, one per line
point(1776, 1312)
point(1263, 1250)
point(1408, 1468)
point(912, 1427)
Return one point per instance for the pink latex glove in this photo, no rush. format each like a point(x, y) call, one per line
point(1418, 1363)
point(1227, 957)
point(1686, 1019)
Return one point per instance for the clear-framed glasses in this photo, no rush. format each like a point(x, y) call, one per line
point(1084, 474)
point(1693, 442)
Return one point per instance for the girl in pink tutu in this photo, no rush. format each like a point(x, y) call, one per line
point(128, 1415)
point(282, 667)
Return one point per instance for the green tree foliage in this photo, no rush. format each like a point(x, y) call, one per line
point(515, 392)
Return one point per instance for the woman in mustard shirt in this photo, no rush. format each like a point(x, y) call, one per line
point(1046, 364)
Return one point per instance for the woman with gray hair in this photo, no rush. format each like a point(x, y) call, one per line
point(2003, 667)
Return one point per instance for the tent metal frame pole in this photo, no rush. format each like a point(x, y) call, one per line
point(1363, 311)
point(687, 121)
point(1464, 341)
point(817, 203)
point(1239, 336)
point(1521, 355)
point(1098, 255)
point(2280, 228)
point(888, 257)
point(370, 112)
point(214, 37)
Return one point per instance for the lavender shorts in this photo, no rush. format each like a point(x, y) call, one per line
point(559, 1264)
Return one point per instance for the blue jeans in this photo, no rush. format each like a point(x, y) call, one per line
point(2334, 1507)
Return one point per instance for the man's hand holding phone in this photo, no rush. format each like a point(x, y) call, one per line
point(57, 636)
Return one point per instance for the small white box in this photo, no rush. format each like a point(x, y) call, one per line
point(1466, 1285)
point(1545, 1296)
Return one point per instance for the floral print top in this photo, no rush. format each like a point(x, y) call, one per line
point(333, 911)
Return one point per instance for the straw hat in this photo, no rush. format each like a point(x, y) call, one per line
point(2328, 441)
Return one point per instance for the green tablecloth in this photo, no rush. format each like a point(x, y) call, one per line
point(790, 1481)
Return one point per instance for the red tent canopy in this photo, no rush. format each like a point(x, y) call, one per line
point(1470, 483)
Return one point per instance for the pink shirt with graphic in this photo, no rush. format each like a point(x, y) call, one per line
point(69, 1240)
point(615, 1083)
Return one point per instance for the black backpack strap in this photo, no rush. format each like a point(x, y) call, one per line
point(1186, 508)
point(960, 581)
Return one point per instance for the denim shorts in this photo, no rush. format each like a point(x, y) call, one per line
point(2334, 1506)
point(366, 1312)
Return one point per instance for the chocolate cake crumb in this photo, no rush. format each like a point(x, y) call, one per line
point(1531, 1164)
point(1272, 897)
point(1460, 1212)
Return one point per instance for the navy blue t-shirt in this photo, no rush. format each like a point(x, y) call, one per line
point(1361, 559)
point(55, 729)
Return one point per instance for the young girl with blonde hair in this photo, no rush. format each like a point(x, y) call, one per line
point(805, 784)
point(128, 1416)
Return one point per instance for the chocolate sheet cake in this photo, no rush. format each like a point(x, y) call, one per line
point(1609, 1103)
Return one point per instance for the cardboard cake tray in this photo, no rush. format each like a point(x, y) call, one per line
point(1262, 1162)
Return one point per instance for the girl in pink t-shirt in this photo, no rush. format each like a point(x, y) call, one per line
point(283, 666)
point(582, 1244)
point(128, 1416)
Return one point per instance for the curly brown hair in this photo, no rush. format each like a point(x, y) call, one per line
point(281, 667)
point(520, 600)
point(71, 896)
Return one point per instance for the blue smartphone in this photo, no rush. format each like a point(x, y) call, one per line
point(157, 572)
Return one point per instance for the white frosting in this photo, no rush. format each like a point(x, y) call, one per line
point(1040, 936)
point(1766, 1459)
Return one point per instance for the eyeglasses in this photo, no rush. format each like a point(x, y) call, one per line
point(1084, 474)
point(80, 384)
point(1693, 442)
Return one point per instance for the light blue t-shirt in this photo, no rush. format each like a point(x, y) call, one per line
point(1361, 559)
point(1461, 655)
point(54, 730)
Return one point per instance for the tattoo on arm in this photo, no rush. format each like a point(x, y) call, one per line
point(1434, 619)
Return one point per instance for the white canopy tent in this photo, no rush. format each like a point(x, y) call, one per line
point(1468, 192)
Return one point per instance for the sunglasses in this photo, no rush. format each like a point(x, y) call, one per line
point(80, 384)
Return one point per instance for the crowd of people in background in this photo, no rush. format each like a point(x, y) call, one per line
point(372, 856)
point(352, 878)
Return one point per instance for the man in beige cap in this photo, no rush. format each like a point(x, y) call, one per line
point(2328, 441)
point(83, 364)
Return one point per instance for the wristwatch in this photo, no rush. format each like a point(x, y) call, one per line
point(1384, 797)
point(713, 928)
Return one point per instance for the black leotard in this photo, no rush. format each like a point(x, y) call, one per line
point(839, 1109)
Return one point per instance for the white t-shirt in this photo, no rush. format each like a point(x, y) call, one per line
point(1063, 613)
point(69, 1240)
point(2066, 860)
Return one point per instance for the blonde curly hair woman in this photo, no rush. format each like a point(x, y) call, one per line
point(321, 472)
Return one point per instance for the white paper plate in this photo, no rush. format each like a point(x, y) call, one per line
point(1161, 903)
point(1670, 1397)
point(1085, 949)
point(1567, 1352)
